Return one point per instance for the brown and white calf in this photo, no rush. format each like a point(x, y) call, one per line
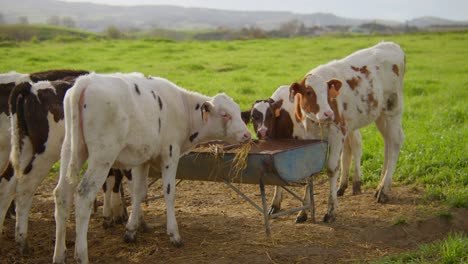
point(274, 118)
point(351, 93)
point(132, 122)
point(8, 81)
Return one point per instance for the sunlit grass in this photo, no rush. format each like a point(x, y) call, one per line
point(435, 150)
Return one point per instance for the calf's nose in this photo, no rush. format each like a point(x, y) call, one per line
point(328, 114)
point(247, 136)
point(261, 133)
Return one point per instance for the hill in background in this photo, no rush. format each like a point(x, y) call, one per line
point(97, 17)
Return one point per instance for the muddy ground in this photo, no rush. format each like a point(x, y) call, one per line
point(217, 226)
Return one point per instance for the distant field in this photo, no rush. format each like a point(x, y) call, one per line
point(436, 98)
point(11, 32)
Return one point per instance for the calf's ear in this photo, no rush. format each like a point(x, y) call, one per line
point(276, 106)
point(293, 90)
point(246, 116)
point(206, 108)
point(334, 87)
point(297, 108)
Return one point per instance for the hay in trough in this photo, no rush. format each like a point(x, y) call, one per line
point(218, 149)
point(240, 159)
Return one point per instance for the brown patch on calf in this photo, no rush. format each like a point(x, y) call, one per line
point(345, 106)
point(282, 123)
point(396, 70)
point(304, 97)
point(372, 101)
point(333, 91)
point(354, 82)
point(362, 70)
point(365, 71)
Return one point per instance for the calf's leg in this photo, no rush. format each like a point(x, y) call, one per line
point(275, 206)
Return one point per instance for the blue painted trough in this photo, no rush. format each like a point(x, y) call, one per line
point(277, 162)
point(273, 162)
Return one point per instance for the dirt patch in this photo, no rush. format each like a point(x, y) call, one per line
point(219, 227)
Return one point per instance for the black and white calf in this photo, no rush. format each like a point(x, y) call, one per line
point(132, 122)
point(37, 122)
point(8, 81)
point(274, 118)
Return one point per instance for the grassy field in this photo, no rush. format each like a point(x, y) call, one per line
point(434, 153)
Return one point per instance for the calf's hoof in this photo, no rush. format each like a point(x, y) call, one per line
point(130, 236)
point(107, 223)
point(273, 209)
point(301, 218)
point(329, 218)
point(176, 241)
point(357, 188)
point(119, 220)
point(381, 197)
point(60, 259)
point(24, 248)
point(341, 191)
point(144, 227)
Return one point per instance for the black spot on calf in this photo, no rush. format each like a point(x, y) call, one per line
point(197, 107)
point(170, 150)
point(5, 90)
point(159, 121)
point(168, 190)
point(154, 95)
point(7, 173)
point(193, 136)
point(160, 103)
point(54, 75)
point(137, 90)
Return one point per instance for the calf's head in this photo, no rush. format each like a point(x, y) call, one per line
point(264, 114)
point(313, 98)
point(223, 120)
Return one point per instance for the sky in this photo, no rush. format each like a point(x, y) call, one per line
point(400, 10)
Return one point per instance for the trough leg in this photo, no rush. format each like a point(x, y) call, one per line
point(310, 185)
point(266, 216)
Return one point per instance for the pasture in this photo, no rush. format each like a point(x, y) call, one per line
point(429, 198)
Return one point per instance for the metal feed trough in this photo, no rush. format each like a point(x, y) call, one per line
point(274, 162)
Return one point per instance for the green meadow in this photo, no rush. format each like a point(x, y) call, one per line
point(434, 154)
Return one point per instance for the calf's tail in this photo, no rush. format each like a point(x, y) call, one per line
point(19, 128)
point(74, 142)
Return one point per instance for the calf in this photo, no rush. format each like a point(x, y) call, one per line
point(274, 118)
point(132, 122)
point(7, 82)
point(351, 93)
point(37, 136)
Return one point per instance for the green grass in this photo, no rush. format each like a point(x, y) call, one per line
point(452, 250)
point(435, 150)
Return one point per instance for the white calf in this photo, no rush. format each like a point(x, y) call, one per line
point(351, 93)
point(132, 122)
